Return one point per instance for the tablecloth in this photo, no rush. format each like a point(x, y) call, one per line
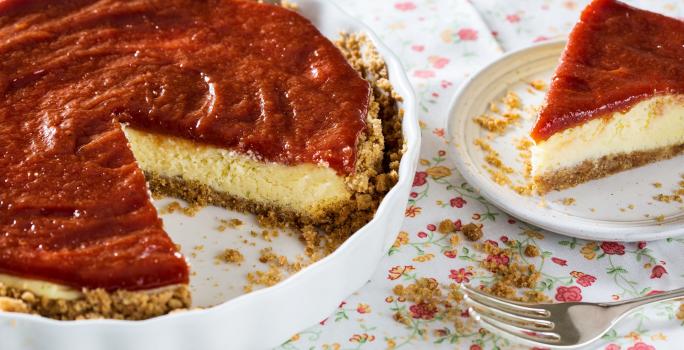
point(440, 43)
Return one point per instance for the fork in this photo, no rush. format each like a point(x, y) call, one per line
point(561, 326)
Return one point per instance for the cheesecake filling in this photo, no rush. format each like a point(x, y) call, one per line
point(652, 124)
point(304, 188)
point(42, 288)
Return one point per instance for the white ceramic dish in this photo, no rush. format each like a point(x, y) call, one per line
point(264, 318)
point(617, 208)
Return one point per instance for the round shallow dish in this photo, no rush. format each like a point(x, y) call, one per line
point(616, 208)
point(264, 318)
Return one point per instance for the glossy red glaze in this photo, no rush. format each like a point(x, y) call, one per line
point(616, 56)
point(254, 78)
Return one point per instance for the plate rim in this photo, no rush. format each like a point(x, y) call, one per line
point(488, 190)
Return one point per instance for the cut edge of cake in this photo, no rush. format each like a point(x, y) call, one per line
point(650, 131)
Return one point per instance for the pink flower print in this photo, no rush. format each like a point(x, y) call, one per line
point(420, 179)
point(438, 62)
point(418, 48)
point(457, 202)
point(424, 73)
point(559, 261)
point(405, 6)
point(467, 34)
point(513, 18)
point(641, 346)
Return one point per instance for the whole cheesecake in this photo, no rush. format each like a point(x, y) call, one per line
point(227, 102)
point(616, 100)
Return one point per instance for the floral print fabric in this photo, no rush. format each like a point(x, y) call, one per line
point(441, 43)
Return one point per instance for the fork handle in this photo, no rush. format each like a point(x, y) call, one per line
point(627, 306)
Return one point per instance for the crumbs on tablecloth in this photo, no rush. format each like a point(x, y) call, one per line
point(446, 226)
point(531, 251)
point(538, 85)
point(472, 231)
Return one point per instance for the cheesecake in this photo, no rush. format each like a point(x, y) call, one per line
point(616, 100)
point(226, 102)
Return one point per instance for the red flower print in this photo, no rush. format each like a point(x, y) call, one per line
point(499, 259)
point(405, 6)
point(504, 239)
point(457, 202)
point(424, 74)
point(641, 245)
point(467, 34)
point(511, 221)
point(567, 294)
point(441, 153)
point(418, 48)
point(431, 227)
point(413, 194)
point(450, 254)
point(439, 132)
point(612, 347)
point(583, 279)
point(641, 346)
point(423, 311)
point(559, 261)
point(461, 275)
point(654, 292)
point(658, 271)
point(458, 225)
point(540, 39)
point(422, 234)
point(445, 84)
point(513, 18)
point(475, 347)
point(613, 248)
point(420, 179)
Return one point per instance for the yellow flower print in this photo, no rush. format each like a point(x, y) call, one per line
point(534, 234)
point(424, 257)
point(589, 250)
point(402, 239)
point(438, 172)
point(391, 344)
point(424, 162)
point(362, 338)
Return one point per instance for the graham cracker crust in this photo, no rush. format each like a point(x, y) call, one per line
point(602, 167)
point(98, 303)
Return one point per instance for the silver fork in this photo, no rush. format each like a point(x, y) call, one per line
point(560, 326)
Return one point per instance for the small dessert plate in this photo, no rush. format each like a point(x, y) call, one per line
point(621, 207)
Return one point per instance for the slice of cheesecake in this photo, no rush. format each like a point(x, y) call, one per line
point(617, 98)
point(227, 102)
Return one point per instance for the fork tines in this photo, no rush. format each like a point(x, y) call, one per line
point(514, 319)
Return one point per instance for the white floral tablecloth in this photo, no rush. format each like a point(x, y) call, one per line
point(440, 43)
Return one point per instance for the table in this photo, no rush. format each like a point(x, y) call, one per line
point(441, 43)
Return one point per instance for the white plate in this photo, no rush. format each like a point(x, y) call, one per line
point(617, 208)
point(264, 318)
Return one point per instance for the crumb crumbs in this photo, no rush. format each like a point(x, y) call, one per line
point(472, 231)
point(568, 201)
point(512, 100)
point(539, 85)
point(176, 207)
point(232, 223)
point(232, 256)
point(446, 226)
point(531, 251)
point(657, 185)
